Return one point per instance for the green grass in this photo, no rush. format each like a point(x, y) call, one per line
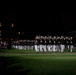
point(28, 62)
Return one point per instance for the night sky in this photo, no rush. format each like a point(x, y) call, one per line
point(41, 20)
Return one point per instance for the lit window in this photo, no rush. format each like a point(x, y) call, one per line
point(12, 25)
point(19, 33)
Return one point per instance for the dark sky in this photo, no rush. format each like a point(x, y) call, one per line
point(50, 21)
point(41, 20)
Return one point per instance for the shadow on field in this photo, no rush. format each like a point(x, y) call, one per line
point(11, 66)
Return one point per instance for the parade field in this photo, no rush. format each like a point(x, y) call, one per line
point(29, 62)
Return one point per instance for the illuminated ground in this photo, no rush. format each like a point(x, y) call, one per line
point(28, 62)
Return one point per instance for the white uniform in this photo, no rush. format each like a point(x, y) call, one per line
point(36, 47)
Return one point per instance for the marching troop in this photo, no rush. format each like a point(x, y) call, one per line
point(43, 44)
point(23, 44)
point(46, 44)
point(53, 43)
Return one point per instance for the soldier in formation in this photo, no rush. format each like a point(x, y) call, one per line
point(46, 44)
point(53, 43)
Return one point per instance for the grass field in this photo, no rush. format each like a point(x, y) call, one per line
point(28, 62)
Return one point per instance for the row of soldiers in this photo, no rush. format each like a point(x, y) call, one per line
point(23, 44)
point(53, 43)
point(46, 43)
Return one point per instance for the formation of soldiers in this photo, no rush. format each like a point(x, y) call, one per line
point(53, 43)
point(43, 44)
point(46, 44)
point(23, 44)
